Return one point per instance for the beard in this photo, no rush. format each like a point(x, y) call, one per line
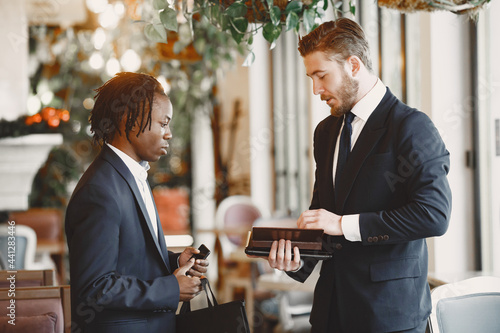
point(346, 96)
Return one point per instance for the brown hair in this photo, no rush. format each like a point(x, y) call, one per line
point(127, 95)
point(339, 40)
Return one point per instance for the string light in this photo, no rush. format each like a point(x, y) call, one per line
point(112, 66)
point(109, 19)
point(96, 61)
point(130, 61)
point(99, 38)
point(97, 6)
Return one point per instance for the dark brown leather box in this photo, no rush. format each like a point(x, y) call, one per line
point(309, 241)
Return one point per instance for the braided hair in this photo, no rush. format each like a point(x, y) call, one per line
point(128, 97)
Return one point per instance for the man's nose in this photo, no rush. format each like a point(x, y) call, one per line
point(168, 134)
point(317, 88)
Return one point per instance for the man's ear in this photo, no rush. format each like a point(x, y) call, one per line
point(355, 65)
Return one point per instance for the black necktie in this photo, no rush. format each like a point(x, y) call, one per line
point(344, 145)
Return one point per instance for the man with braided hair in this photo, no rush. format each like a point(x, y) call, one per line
point(123, 278)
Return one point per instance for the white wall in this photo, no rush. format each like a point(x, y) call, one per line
point(493, 91)
point(260, 126)
point(489, 137)
point(14, 83)
point(446, 95)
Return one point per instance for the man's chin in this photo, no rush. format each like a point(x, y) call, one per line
point(336, 112)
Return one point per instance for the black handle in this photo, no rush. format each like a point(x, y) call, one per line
point(186, 306)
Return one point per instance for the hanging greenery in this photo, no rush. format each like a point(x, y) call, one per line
point(235, 21)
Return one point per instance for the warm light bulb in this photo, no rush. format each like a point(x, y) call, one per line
point(108, 19)
point(47, 97)
point(97, 6)
point(96, 61)
point(88, 103)
point(33, 105)
point(130, 61)
point(112, 66)
point(119, 8)
point(99, 38)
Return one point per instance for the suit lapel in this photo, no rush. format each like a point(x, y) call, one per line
point(123, 170)
point(160, 242)
point(369, 137)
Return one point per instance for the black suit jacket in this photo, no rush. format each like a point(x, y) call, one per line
point(395, 179)
point(121, 274)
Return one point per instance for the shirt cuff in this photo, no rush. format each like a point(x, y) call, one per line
point(350, 227)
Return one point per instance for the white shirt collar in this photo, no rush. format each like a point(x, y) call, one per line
point(138, 169)
point(364, 108)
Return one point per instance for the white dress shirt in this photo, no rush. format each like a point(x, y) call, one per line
point(140, 173)
point(362, 110)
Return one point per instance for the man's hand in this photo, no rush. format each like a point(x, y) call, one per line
point(189, 286)
point(321, 219)
point(280, 256)
point(200, 265)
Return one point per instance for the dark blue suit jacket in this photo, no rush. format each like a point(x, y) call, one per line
point(395, 179)
point(121, 274)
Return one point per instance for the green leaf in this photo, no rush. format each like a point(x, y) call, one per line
point(156, 33)
point(241, 24)
point(292, 21)
point(352, 8)
point(238, 28)
point(159, 4)
point(250, 39)
point(269, 3)
point(309, 16)
point(236, 35)
point(294, 6)
point(237, 9)
point(271, 32)
point(249, 59)
point(169, 19)
point(275, 14)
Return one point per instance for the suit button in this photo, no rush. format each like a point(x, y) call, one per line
point(375, 239)
point(370, 239)
point(338, 246)
point(386, 237)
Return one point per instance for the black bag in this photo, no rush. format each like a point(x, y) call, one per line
point(216, 318)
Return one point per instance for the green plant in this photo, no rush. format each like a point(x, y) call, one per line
point(237, 20)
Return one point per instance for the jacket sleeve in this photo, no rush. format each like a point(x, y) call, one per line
point(93, 229)
point(422, 167)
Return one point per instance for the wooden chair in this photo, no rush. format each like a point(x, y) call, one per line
point(34, 307)
point(48, 224)
point(29, 278)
